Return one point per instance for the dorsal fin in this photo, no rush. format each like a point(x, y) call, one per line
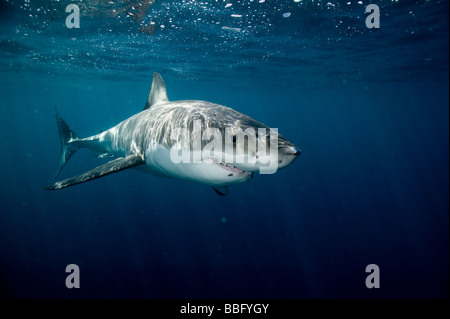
point(158, 93)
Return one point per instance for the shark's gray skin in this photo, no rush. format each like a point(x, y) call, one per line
point(145, 141)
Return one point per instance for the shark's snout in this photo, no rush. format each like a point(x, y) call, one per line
point(287, 154)
point(290, 150)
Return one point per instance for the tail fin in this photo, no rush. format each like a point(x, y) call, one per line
point(68, 142)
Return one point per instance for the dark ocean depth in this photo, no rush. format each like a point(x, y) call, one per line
point(369, 109)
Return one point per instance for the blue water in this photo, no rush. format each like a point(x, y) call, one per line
point(369, 108)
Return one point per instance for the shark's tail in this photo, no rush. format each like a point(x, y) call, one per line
point(69, 142)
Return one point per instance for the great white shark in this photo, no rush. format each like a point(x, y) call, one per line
point(153, 139)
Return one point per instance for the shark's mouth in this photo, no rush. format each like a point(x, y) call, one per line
point(228, 167)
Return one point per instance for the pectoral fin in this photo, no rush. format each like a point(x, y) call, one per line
point(113, 166)
point(221, 190)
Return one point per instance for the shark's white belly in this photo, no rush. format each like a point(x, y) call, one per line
point(159, 162)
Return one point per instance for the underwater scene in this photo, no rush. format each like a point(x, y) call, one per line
point(346, 198)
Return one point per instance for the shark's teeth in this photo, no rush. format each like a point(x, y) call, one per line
point(227, 166)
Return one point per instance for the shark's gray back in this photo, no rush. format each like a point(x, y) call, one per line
point(156, 124)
